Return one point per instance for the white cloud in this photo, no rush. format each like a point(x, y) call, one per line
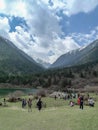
point(77, 6)
point(62, 46)
point(20, 38)
point(59, 46)
point(4, 26)
point(2, 4)
point(14, 7)
point(71, 7)
point(86, 38)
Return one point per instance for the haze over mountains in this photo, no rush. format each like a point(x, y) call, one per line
point(79, 56)
point(43, 63)
point(13, 60)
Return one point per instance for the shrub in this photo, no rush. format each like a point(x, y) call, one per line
point(41, 93)
point(14, 97)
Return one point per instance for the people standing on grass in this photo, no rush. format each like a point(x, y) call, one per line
point(29, 105)
point(4, 102)
point(81, 102)
point(78, 101)
point(24, 103)
point(39, 104)
point(55, 97)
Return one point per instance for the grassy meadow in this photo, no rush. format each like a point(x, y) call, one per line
point(57, 115)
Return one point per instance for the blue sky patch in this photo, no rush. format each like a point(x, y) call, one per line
point(16, 21)
point(79, 23)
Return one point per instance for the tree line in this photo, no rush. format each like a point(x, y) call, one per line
point(62, 78)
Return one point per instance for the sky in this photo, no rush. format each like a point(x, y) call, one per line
point(46, 29)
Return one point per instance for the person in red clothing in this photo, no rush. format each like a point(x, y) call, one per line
point(78, 101)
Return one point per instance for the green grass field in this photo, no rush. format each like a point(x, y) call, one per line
point(56, 116)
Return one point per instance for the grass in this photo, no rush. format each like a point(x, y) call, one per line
point(56, 116)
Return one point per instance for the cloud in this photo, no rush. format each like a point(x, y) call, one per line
point(43, 27)
point(2, 4)
point(4, 26)
point(20, 38)
point(62, 46)
point(71, 7)
point(44, 24)
point(23, 40)
point(13, 7)
point(85, 38)
point(77, 6)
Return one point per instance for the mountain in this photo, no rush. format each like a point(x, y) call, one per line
point(13, 60)
point(43, 63)
point(79, 56)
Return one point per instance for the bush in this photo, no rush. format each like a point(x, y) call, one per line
point(14, 97)
point(41, 93)
point(0, 103)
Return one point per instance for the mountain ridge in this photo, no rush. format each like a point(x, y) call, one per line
point(78, 56)
point(13, 60)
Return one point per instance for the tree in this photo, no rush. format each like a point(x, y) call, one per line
point(95, 73)
point(49, 81)
point(64, 83)
point(82, 75)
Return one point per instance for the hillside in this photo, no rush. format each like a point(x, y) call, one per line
point(13, 60)
point(77, 77)
point(78, 57)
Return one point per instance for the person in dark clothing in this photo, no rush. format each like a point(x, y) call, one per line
point(4, 102)
point(81, 102)
point(55, 97)
point(39, 104)
point(23, 103)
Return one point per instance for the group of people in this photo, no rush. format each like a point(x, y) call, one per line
point(29, 103)
point(39, 104)
point(80, 101)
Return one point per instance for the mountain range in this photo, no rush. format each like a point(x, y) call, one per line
point(77, 57)
point(13, 60)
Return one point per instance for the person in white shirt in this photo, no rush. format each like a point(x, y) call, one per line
point(91, 102)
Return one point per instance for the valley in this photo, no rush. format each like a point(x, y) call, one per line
point(74, 70)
